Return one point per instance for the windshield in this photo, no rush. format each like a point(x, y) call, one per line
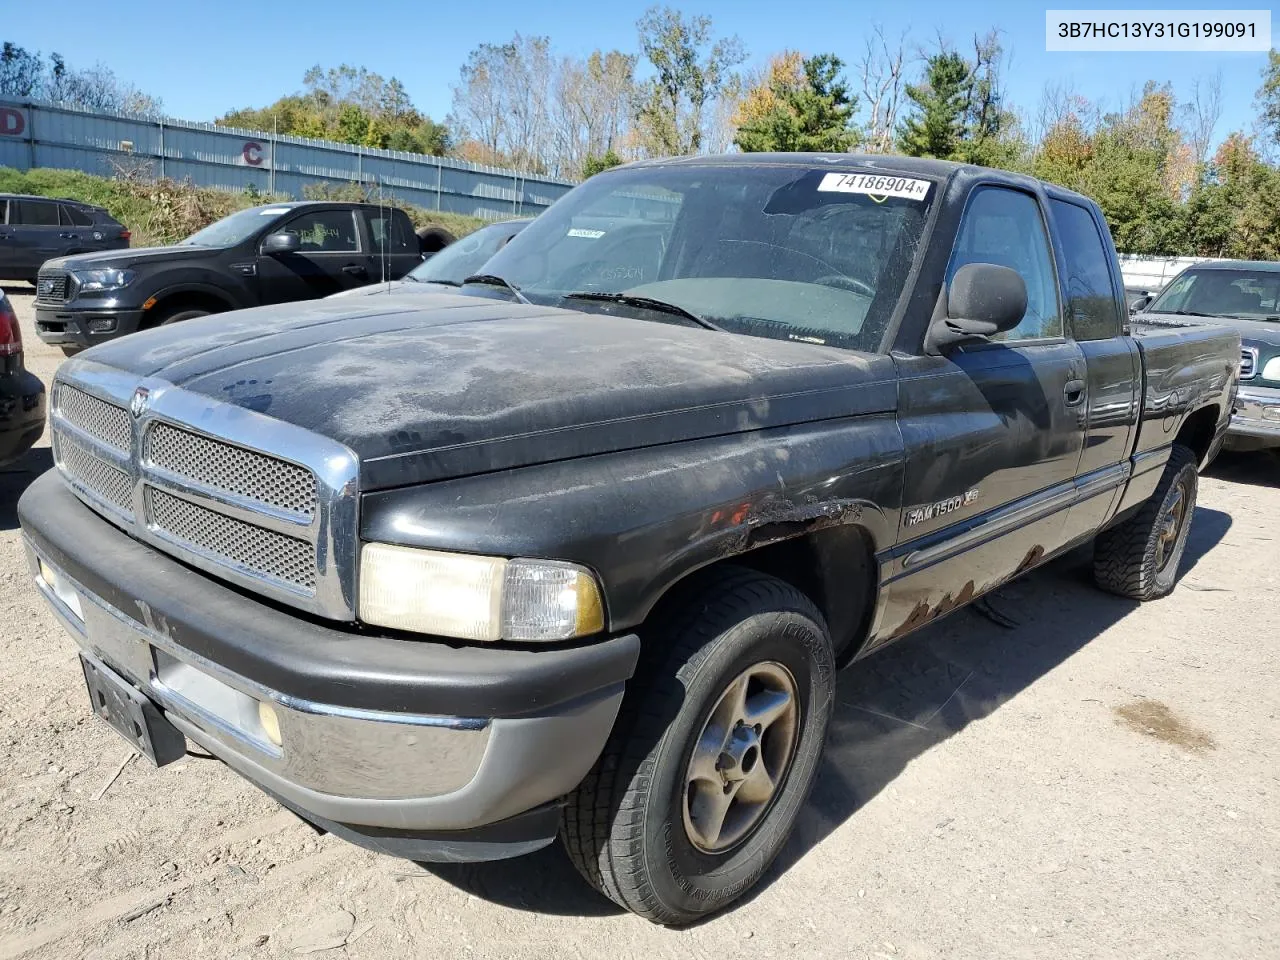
point(234, 229)
point(786, 252)
point(465, 257)
point(1242, 294)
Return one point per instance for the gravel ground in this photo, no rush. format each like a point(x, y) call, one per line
point(1101, 781)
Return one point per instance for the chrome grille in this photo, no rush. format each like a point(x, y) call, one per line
point(102, 420)
point(262, 551)
point(234, 469)
point(1248, 363)
point(52, 287)
point(264, 504)
point(83, 465)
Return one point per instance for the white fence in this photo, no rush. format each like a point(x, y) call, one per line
point(1152, 273)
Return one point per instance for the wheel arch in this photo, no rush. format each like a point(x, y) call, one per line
point(194, 296)
point(834, 566)
point(1198, 430)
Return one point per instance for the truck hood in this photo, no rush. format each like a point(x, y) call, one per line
point(1251, 331)
point(433, 387)
point(127, 258)
point(395, 286)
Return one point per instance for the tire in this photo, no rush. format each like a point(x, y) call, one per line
point(433, 240)
point(1139, 558)
point(178, 315)
point(629, 827)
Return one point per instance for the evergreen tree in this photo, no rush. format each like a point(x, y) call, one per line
point(808, 109)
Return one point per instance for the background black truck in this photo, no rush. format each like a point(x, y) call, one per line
point(579, 549)
point(270, 254)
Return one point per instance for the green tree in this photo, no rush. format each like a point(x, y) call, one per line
point(595, 164)
point(690, 70)
point(804, 107)
point(1268, 101)
point(935, 125)
point(958, 111)
point(351, 105)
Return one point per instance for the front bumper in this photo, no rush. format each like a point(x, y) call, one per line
point(64, 324)
point(1255, 423)
point(22, 411)
point(406, 746)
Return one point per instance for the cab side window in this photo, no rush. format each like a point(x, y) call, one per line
point(326, 231)
point(1004, 227)
point(391, 233)
point(1091, 299)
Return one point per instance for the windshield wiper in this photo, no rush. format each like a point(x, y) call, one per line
point(650, 303)
point(1187, 313)
point(494, 280)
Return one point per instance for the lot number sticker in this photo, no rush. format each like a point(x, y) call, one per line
point(876, 186)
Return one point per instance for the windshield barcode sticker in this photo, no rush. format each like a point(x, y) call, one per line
point(586, 234)
point(875, 185)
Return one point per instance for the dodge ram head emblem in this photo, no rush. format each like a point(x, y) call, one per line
point(141, 397)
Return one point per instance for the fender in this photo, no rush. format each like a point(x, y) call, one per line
point(234, 299)
point(645, 519)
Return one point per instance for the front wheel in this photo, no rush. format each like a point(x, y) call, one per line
point(1139, 558)
point(715, 750)
point(177, 316)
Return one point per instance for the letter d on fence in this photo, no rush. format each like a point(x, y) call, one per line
point(12, 122)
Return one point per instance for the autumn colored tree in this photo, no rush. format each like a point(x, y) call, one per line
point(803, 105)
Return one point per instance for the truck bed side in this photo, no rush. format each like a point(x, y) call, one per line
point(1189, 378)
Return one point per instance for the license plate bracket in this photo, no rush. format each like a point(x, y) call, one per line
point(131, 713)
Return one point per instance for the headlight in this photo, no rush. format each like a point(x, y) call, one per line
point(99, 281)
point(477, 598)
point(1272, 370)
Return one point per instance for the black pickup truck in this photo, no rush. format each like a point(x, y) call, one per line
point(270, 254)
point(578, 548)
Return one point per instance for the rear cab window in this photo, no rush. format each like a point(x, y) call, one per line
point(72, 216)
point(391, 232)
point(1089, 285)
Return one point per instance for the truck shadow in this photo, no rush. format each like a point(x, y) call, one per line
point(1261, 468)
point(16, 477)
point(892, 707)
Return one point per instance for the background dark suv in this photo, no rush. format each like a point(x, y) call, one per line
point(36, 229)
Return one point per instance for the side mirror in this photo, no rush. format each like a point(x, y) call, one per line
point(1140, 304)
point(278, 243)
point(983, 299)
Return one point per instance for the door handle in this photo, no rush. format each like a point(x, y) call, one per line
point(355, 270)
point(1073, 392)
point(69, 236)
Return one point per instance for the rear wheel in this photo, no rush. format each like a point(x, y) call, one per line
point(1140, 557)
point(715, 750)
point(433, 240)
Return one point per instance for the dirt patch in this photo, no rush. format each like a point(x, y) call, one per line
point(1154, 719)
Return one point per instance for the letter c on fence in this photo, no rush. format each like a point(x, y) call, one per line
point(253, 153)
point(12, 122)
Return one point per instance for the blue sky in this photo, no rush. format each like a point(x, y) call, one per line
point(205, 59)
